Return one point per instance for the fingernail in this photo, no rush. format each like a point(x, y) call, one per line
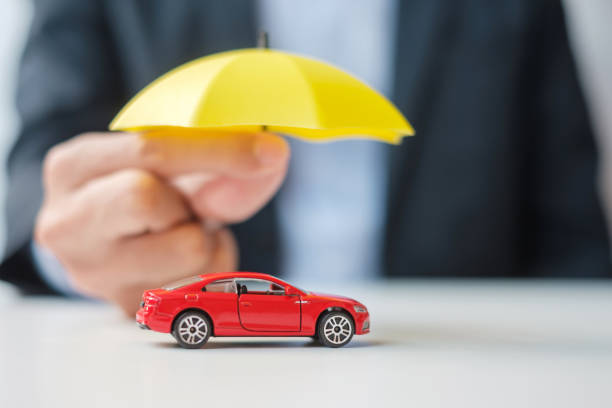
point(270, 149)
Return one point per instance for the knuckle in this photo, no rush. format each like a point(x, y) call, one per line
point(59, 159)
point(91, 279)
point(43, 234)
point(193, 249)
point(56, 163)
point(82, 282)
point(48, 230)
point(143, 191)
point(87, 136)
point(151, 151)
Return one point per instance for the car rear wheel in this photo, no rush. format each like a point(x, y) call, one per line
point(192, 330)
point(336, 329)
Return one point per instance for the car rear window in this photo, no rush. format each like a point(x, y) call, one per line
point(181, 283)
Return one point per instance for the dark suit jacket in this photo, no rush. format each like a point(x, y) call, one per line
point(499, 180)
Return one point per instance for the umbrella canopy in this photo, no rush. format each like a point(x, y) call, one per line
point(244, 90)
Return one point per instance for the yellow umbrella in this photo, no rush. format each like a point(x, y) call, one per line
point(248, 89)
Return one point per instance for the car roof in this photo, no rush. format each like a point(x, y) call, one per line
point(237, 274)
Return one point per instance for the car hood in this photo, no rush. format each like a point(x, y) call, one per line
point(334, 297)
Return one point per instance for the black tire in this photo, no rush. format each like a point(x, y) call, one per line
point(335, 329)
point(192, 329)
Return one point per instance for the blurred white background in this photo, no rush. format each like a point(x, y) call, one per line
point(589, 27)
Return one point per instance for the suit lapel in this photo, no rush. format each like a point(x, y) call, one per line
point(419, 44)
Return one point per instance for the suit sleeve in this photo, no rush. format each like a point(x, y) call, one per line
point(68, 84)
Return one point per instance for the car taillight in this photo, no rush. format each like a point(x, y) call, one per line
point(151, 301)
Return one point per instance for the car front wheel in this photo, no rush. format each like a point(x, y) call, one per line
point(336, 329)
point(192, 330)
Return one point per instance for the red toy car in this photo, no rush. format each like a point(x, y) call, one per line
point(249, 304)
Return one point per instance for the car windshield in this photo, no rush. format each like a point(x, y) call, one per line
point(183, 282)
point(300, 289)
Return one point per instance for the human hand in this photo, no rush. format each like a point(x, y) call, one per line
point(123, 212)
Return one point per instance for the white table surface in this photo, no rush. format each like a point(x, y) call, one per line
point(433, 344)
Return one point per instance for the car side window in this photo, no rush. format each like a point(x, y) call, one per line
point(260, 287)
point(221, 286)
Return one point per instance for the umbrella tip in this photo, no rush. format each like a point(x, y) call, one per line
point(262, 40)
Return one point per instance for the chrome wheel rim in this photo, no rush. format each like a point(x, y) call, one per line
point(192, 329)
point(337, 329)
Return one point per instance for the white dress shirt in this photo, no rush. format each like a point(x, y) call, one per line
point(332, 205)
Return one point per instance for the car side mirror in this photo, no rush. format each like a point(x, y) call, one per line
point(291, 291)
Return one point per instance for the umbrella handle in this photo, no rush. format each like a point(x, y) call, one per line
point(262, 40)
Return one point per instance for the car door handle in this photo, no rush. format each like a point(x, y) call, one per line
point(245, 304)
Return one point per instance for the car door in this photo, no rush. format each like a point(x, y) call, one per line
point(263, 306)
point(219, 299)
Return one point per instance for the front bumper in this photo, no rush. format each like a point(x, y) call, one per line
point(362, 323)
point(366, 326)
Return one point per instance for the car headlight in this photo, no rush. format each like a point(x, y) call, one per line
point(360, 309)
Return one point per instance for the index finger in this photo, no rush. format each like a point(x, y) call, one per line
point(167, 153)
